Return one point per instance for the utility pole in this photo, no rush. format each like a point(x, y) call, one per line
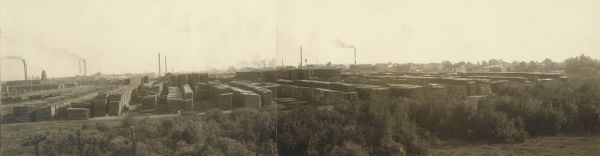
point(35, 141)
point(84, 68)
point(300, 57)
point(166, 64)
point(131, 137)
point(79, 62)
point(79, 142)
point(354, 55)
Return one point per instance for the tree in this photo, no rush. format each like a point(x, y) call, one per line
point(549, 65)
point(532, 66)
point(521, 67)
point(582, 65)
point(447, 66)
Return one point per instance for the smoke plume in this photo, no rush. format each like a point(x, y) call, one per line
point(73, 55)
point(13, 58)
point(344, 45)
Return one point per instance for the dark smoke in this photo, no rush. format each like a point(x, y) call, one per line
point(13, 58)
point(73, 55)
point(344, 45)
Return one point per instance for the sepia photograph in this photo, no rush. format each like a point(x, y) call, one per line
point(299, 77)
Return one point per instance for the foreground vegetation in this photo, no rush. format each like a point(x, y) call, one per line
point(548, 146)
point(517, 113)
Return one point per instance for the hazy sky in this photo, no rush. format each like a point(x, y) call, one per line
point(118, 36)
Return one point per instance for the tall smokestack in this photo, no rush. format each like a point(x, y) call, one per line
point(300, 56)
point(166, 65)
point(355, 67)
point(24, 68)
point(44, 76)
point(354, 56)
point(79, 65)
point(159, 64)
point(84, 68)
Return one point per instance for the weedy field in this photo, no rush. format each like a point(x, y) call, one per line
point(13, 135)
point(548, 146)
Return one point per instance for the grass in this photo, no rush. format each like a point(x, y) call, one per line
point(12, 135)
point(549, 146)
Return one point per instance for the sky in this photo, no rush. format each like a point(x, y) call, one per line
point(122, 36)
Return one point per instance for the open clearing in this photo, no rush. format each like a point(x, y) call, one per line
point(549, 146)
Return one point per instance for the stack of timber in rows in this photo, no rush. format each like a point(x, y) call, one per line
point(323, 96)
point(437, 90)
point(459, 91)
point(181, 79)
point(61, 109)
point(497, 78)
point(286, 82)
point(320, 92)
point(28, 113)
point(266, 95)
point(174, 100)
point(476, 89)
point(270, 86)
point(406, 90)
point(24, 113)
point(118, 100)
point(126, 81)
point(289, 91)
point(472, 102)
point(282, 74)
point(78, 113)
point(82, 104)
point(286, 74)
point(496, 85)
point(248, 75)
point(457, 87)
point(150, 94)
point(161, 105)
point(303, 93)
point(220, 95)
point(99, 104)
point(114, 106)
point(145, 79)
point(345, 87)
point(372, 93)
point(200, 94)
point(296, 92)
point(201, 91)
point(149, 101)
point(245, 98)
point(194, 78)
point(294, 74)
point(70, 84)
point(270, 75)
point(529, 75)
point(46, 113)
point(187, 97)
point(314, 84)
point(326, 73)
point(171, 80)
